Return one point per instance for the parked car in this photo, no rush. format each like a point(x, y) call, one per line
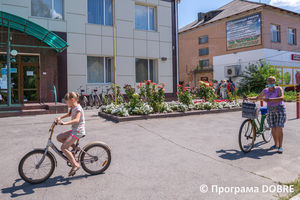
point(292, 88)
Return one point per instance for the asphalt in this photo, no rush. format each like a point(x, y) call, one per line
point(170, 158)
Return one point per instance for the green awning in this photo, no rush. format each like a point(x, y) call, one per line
point(33, 29)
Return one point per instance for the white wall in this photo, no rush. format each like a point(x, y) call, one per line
point(273, 57)
point(97, 40)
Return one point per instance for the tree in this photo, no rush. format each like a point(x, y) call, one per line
point(255, 76)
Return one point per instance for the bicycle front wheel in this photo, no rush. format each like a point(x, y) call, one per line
point(96, 158)
point(97, 102)
point(267, 132)
point(247, 136)
point(28, 167)
point(91, 100)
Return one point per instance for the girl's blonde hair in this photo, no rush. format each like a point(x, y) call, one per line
point(71, 95)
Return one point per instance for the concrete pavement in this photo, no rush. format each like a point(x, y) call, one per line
point(192, 157)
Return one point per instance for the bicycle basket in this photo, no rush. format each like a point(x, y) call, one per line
point(250, 110)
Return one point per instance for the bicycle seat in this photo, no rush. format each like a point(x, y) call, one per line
point(84, 95)
point(95, 90)
point(82, 90)
point(264, 110)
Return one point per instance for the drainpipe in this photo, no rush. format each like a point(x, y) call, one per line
point(176, 18)
point(8, 67)
point(115, 59)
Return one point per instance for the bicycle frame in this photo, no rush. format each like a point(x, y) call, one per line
point(51, 144)
point(261, 124)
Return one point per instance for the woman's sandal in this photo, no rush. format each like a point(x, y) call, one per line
point(73, 171)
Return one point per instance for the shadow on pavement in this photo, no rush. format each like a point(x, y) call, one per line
point(255, 153)
point(27, 188)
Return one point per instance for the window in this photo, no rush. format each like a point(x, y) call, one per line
point(99, 70)
point(144, 18)
point(204, 51)
point(204, 63)
point(100, 12)
point(47, 8)
point(275, 33)
point(292, 36)
point(203, 39)
point(145, 70)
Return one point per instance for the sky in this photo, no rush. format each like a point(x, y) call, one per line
point(188, 9)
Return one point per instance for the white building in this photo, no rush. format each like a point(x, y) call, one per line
point(145, 45)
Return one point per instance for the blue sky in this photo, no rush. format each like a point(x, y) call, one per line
point(188, 9)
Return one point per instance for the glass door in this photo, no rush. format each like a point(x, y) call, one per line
point(29, 83)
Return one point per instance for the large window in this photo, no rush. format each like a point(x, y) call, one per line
point(275, 36)
point(99, 70)
point(145, 70)
point(204, 51)
point(144, 18)
point(203, 39)
point(204, 63)
point(292, 36)
point(47, 8)
point(100, 12)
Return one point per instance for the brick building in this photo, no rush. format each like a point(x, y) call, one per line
point(220, 43)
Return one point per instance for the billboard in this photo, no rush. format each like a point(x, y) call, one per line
point(244, 32)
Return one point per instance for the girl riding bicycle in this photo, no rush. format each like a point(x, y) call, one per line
point(68, 138)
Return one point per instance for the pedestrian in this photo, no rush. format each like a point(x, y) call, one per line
point(68, 138)
point(232, 87)
point(223, 89)
point(276, 111)
point(216, 86)
point(228, 86)
point(0, 98)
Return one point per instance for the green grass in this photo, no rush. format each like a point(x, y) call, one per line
point(296, 185)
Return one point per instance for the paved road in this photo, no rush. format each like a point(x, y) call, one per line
point(155, 159)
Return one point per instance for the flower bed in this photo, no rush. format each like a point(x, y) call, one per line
point(174, 106)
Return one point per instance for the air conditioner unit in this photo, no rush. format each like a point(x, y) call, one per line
point(232, 71)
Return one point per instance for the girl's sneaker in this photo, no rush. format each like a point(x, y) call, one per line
point(280, 150)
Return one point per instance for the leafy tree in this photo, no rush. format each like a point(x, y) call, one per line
point(254, 78)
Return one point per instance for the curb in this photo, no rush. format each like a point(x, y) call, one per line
point(297, 197)
point(165, 115)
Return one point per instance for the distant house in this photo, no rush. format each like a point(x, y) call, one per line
point(220, 43)
point(145, 45)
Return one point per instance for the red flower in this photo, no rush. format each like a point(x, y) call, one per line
point(149, 81)
point(163, 84)
point(177, 93)
point(159, 87)
point(179, 85)
point(154, 83)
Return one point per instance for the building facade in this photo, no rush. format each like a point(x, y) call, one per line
point(144, 40)
point(221, 43)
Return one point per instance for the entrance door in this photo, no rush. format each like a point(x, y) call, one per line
point(29, 83)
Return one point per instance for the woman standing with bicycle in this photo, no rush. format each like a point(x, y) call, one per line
point(68, 138)
point(276, 111)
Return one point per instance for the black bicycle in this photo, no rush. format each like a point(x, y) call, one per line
point(94, 98)
point(82, 98)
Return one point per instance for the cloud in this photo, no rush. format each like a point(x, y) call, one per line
point(290, 3)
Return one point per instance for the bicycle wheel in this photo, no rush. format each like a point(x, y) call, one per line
point(85, 101)
point(28, 170)
point(247, 136)
point(97, 102)
point(91, 100)
point(96, 159)
point(267, 132)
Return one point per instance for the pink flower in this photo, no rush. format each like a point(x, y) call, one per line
point(163, 90)
point(194, 95)
point(154, 83)
point(177, 93)
point(149, 81)
point(159, 87)
point(151, 93)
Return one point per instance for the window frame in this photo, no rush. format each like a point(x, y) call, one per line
point(104, 70)
point(295, 36)
point(203, 61)
point(206, 41)
point(104, 15)
point(148, 17)
point(206, 51)
point(278, 35)
point(63, 11)
point(148, 69)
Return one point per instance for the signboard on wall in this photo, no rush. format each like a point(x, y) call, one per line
point(290, 75)
point(244, 32)
point(295, 57)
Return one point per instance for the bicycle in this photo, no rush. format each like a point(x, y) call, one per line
point(106, 97)
point(38, 165)
point(253, 127)
point(82, 98)
point(94, 98)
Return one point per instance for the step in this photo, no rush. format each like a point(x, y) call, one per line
point(14, 113)
point(23, 107)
